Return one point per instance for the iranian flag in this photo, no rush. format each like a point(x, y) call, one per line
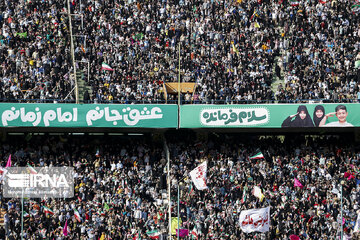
point(155, 234)
point(31, 169)
point(294, 3)
point(43, 233)
point(33, 212)
point(244, 195)
point(355, 7)
point(195, 233)
point(97, 154)
point(259, 155)
point(26, 214)
point(136, 236)
point(77, 215)
point(48, 210)
point(191, 189)
point(106, 67)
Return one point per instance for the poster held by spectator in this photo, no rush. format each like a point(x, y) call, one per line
point(255, 220)
point(198, 176)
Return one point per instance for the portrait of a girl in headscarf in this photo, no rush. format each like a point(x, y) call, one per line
point(300, 119)
point(319, 114)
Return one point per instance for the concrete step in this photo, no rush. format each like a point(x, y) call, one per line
point(277, 81)
point(83, 86)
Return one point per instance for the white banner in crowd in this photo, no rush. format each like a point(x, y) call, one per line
point(357, 224)
point(198, 176)
point(3, 172)
point(255, 220)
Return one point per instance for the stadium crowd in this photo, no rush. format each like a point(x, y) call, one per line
point(120, 191)
point(232, 50)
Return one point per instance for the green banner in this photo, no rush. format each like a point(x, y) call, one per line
point(88, 115)
point(191, 116)
point(270, 116)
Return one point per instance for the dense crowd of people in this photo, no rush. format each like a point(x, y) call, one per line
point(232, 50)
point(121, 188)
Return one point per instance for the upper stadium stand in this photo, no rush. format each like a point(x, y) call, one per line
point(244, 51)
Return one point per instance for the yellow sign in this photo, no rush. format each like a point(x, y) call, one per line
point(172, 87)
point(174, 225)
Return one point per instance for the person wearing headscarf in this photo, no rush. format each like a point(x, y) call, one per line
point(319, 114)
point(302, 119)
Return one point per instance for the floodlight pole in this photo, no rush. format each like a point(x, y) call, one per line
point(73, 54)
point(168, 183)
point(178, 210)
point(22, 213)
point(341, 213)
point(179, 77)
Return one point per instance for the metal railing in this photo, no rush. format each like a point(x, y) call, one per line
point(183, 102)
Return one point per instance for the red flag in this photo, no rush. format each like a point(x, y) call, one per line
point(8, 164)
point(297, 183)
point(348, 175)
point(182, 232)
point(294, 237)
point(65, 230)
